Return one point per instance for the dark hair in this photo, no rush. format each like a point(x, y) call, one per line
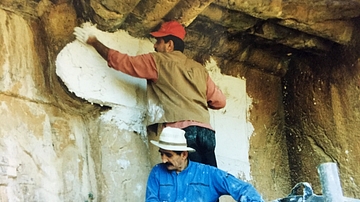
point(178, 43)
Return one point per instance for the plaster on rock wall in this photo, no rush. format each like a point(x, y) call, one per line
point(86, 74)
point(122, 134)
point(233, 130)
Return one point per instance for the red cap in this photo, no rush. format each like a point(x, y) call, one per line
point(170, 28)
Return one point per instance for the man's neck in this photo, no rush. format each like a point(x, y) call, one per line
point(186, 163)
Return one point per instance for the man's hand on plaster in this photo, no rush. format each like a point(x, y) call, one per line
point(84, 35)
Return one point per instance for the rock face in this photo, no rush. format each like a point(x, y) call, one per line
point(325, 130)
point(290, 70)
point(53, 145)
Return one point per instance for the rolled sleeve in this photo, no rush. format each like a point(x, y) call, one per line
point(215, 97)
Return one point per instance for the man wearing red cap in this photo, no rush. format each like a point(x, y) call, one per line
point(179, 88)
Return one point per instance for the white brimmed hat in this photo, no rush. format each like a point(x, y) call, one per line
point(172, 139)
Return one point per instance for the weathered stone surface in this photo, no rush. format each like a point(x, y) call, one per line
point(59, 22)
point(324, 128)
point(43, 155)
point(268, 145)
point(306, 26)
point(186, 11)
point(49, 138)
point(319, 11)
point(124, 164)
point(147, 15)
point(231, 19)
point(21, 67)
point(326, 29)
point(298, 40)
point(55, 147)
point(314, 17)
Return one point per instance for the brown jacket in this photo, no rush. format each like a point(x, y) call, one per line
point(179, 93)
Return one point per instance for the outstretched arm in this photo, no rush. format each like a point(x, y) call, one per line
point(141, 66)
point(240, 190)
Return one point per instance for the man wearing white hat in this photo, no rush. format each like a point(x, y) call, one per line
point(179, 179)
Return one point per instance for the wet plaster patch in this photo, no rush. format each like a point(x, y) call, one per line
point(87, 74)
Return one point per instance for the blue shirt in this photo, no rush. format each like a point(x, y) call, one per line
point(197, 183)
